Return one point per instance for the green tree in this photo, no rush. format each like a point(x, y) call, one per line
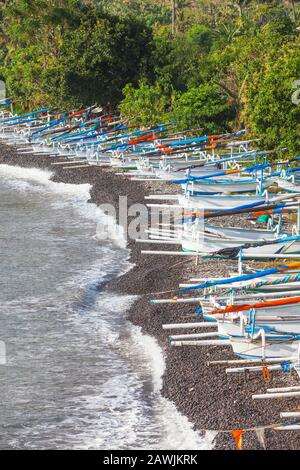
point(269, 110)
point(86, 54)
point(204, 106)
point(149, 104)
point(101, 56)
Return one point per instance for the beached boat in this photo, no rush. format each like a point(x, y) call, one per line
point(274, 346)
point(206, 243)
point(289, 185)
point(234, 185)
point(287, 324)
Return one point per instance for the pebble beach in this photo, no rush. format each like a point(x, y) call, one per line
point(212, 400)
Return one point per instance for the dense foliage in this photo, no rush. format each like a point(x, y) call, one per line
point(217, 64)
point(71, 53)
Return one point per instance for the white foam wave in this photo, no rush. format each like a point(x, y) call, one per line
point(177, 431)
point(36, 180)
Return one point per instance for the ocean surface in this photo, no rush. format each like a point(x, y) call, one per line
point(78, 375)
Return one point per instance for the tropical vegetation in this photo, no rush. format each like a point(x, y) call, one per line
point(213, 64)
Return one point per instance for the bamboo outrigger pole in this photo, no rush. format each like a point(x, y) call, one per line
point(267, 396)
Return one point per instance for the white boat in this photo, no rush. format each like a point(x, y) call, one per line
point(279, 346)
point(206, 245)
point(217, 202)
point(169, 173)
point(221, 202)
point(245, 234)
point(287, 324)
point(280, 311)
point(227, 186)
point(288, 186)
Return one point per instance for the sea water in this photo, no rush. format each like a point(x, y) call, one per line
point(78, 375)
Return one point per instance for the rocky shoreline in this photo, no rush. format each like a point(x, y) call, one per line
point(210, 399)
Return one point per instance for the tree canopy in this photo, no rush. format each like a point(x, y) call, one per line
point(215, 64)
